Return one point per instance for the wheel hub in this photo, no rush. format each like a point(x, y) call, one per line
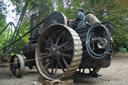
point(55, 49)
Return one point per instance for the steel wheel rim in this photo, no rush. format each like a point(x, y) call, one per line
point(52, 77)
point(16, 65)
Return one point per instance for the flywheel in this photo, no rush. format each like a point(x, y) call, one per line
point(58, 52)
point(55, 18)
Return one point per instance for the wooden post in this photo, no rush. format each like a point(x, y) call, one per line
point(43, 81)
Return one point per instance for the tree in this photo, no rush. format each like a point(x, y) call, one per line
point(2, 16)
point(114, 11)
point(2, 21)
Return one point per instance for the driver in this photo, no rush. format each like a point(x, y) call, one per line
point(80, 19)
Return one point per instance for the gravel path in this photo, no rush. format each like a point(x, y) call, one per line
point(116, 74)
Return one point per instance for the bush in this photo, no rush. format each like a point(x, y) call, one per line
point(122, 50)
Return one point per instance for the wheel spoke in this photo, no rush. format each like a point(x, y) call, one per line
point(46, 41)
point(59, 38)
point(66, 55)
point(61, 66)
point(51, 40)
point(64, 44)
point(67, 49)
point(56, 68)
point(14, 69)
point(63, 37)
point(14, 66)
point(43, 55)
point(65, 62)
point(47, 64)
point(54, 34)
point(52, 65)
point(57, 65)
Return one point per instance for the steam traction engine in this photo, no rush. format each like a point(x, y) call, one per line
point(64, 49)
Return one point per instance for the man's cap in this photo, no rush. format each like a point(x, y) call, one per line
point(89, 12)
point(81, 9)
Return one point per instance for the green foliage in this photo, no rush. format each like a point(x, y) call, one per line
point(119, 17)
point(2, 20)
point(122, 50)
point(18, 46)
point(2, 16)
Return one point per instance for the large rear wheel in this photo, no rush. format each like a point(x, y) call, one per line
point(58, 52)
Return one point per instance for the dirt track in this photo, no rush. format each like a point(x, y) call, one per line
point(116, 74)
